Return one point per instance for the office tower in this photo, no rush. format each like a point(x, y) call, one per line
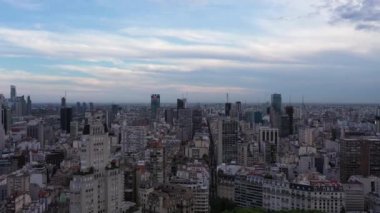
point(92, 107)
point(66, 118)
point(228, 137)
point(377, 120)
point(6, 118)
point(227, 109)
point(181, 103)
point(197, 119)
point(84, 107)
point(13, 93)
point(185, 124)
point(19, 106)
point(154, 106)
point(258, 117)
point(169, 116)
point(269, 142)
point(359, 156)
point(290, 112)
point(63, 102)
point(29, 106)
point(275, 110)
point(238, 110)
point(2, 123)
point(276, 102)
point(284, 126)
point(78, 108)
point(2, 131)
point(133, 139)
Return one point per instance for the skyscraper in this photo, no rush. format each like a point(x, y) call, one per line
point(239, 110)
point(377, 120)
point(227, 109)
point(276, 102)
point(2, 129)
point(227, 140)
point(181, 103)
point(66, 118)
point(154, 105)
point(63, 102)
point(359, 156)
point(13, 92)
point(275, 111)
point(185, 124)
point(290, 112)
point(28, 106)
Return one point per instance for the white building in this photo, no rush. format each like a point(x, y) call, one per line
point(312, 192)
point(196, 178)
point(98, 186)
point(276, 195)
point(95, 148)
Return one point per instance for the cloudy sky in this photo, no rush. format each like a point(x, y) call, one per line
point(124, 50)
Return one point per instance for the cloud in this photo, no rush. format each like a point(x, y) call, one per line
point(24, 4)
point(364, 14)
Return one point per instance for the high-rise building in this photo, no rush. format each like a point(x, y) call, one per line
point(228, 130)
point(66, 118)
point(276, 102)
point(92, 107)
point(19, 106)
point(185, 124)
point(84, 107)
point(5, 115)
point(154, 106)
point(359, 156)
point(290, 112)
point(181, 103)
point(13, 92)
point(268, 139)
point(95, 147)
point(2, 130)
point(63, 102)
point(275, 110)
point(197, 119)
point(29, 106)
point(377, 120)
point(78, 109)
point(239, 111)
point(169, 116)
point(227, 109)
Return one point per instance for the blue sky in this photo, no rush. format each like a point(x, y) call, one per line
point(124, 50)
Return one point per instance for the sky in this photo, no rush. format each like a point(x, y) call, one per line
point(125, 50)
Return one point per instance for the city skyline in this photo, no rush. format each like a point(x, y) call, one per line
point(325, 51)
